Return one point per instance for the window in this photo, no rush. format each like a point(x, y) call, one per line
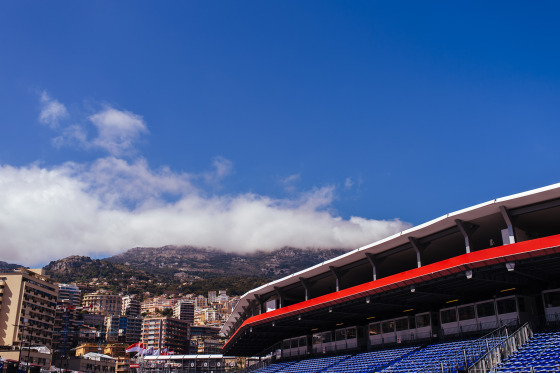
point(466, 312)
point(374, 329)
point(401, 324)
point(448, 315)
point(340, 335)
point(294, 343)
point(351, 333)
point(388, 326)
point(485, 309)
point(317, 339)
point(506, 306)
point(422, 320)
point(552, 299)
point(302, 341)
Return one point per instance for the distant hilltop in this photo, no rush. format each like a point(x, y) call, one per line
point(185, 269)
point(210, 261)
point(5, 266)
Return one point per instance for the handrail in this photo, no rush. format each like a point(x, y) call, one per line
point(501, 351)
point(459, 359)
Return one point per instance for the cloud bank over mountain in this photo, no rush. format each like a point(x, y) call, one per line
point(118, 201)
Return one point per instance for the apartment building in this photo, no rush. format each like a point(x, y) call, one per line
point(103, 304)
point(166, 333)
point(212, 298)
point(130, 306)
point(69, 294)
point(67, 325)
point(123, 329)
point(157, 303)
point(27, 308)
point(184, 310)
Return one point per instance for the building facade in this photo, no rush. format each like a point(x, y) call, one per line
point(184, 310)
point(155, 304)
point(103, 304)
point(166, 333)
point(27, 308)
point(69, 294)
point(130, 306)
point(123, 329)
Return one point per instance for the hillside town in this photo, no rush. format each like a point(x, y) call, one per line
point(50, 326)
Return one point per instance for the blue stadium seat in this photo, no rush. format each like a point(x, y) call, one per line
point(540, 354)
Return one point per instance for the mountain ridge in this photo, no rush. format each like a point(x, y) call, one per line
point(172, 270)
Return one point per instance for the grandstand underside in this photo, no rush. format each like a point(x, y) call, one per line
point(419, 290)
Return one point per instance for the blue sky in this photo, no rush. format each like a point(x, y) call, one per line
point(251, 125)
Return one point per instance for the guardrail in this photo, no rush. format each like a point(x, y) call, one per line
point(501, 351)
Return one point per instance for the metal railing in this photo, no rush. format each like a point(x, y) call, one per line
point(501, 351)
point(460, 358)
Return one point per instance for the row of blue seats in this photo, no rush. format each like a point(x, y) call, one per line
point(447, 357)
point(370, 361)
point(363, 362)
point(541, 353)
point(316, 365)
point(443, 357)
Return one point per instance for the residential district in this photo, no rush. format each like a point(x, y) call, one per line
point(48, 326)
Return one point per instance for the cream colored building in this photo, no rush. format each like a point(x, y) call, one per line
point(27, 308)
point(105, 304)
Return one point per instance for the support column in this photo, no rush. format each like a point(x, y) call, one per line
point(305, 284)
point(280, 297)
point(336, 276)
point(260, 302)
point(418, 250)
point(372, 262)
point(244, 314)
point(255, 307)
point(466, 233)
point(509, 222)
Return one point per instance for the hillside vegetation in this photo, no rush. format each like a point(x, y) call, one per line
point(173, 270)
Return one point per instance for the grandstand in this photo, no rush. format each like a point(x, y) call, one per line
point(462, 292)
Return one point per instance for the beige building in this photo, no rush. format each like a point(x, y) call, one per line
point(86, 348)
point(155, 304)
point(27, 308)
point(104, 304)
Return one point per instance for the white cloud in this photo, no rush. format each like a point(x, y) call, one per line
point(348, 183)
point(117, 130)
point(52, 111)
point(112, 205)
point(290, 181)
point(71, 135)
point(222, 168)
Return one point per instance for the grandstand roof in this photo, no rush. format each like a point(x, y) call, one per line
point(434, 284)
point(534, 200)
